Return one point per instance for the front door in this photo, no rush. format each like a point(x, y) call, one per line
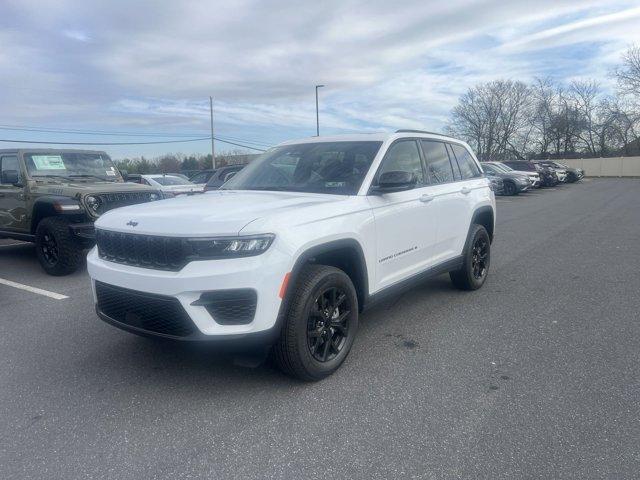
point(405, 222)
point(13, 212)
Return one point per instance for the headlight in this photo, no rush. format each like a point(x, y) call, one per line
point(230, 247)
point(93, 203)
point(154, 196)
point(495, 183)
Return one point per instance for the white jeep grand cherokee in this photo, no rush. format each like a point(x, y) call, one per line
point(297, 244)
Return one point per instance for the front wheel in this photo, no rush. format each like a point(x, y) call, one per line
point(477, 258)
point(510, 189)
point(320, 325)
point(58, 251)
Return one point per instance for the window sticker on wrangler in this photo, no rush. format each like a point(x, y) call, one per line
point(48, 162)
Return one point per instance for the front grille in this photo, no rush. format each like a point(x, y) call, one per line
point(109, 201)
point(230, 307)
point(149, 312)
point(146, 251)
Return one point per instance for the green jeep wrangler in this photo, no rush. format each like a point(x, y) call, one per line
point(52, 197)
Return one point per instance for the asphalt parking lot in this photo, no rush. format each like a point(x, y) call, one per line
point(534, 376)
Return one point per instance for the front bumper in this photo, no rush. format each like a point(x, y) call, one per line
point(85, 231)
point(263, 274)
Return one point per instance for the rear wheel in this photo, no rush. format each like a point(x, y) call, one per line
point(477, 258)
point(320, 325)
point(58, 251)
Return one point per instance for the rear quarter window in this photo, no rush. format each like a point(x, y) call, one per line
point(468, 167)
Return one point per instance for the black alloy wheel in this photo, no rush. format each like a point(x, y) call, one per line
point(476, 262)
point(328, 324)
point(320, 324)
point(58, 251)
point(49, 248)
point(479, 256)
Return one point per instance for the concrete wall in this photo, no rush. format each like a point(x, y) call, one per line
point(606, 167)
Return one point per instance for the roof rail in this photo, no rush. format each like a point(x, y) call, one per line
point(420, 131)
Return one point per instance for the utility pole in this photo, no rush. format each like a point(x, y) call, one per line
point(213, 150)
point(317, 114)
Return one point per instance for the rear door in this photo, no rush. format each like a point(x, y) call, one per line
point(454, 183)
point(473, 190)
point(13, 211)
point(449, 203)
point(405, 221)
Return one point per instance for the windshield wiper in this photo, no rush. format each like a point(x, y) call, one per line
point(275, 188)
point(50, 176)
point(86, 175)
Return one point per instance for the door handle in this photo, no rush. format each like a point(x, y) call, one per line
point(465, 191)
point(425, 198)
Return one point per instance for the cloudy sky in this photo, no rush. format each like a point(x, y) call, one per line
point(133, 67)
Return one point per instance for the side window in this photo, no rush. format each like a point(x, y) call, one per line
point(438, 164)
point(10, 162)
point(468, 167)
point(405, 157)
point(454, 163)
point(199, 178)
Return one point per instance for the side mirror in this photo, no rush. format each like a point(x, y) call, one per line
point(395, 181)
point(125, 175)
point(229, 176)
point(11, 177)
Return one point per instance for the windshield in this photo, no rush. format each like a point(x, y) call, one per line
point(490, 168)
point(72, 165)
point(171, 180)
point(503, 168)
point(325, 167)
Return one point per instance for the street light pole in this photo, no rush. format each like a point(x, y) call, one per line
point(213, 151)
point(317, 114)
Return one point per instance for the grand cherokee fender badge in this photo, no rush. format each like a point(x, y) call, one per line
point(131, 223)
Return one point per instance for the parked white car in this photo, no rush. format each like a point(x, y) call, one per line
point(171, 185)
point(293, 247)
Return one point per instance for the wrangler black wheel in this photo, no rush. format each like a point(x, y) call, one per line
point(320, 325)
point(58, 251)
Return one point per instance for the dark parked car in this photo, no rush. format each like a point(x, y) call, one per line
point(512, 183)
point(573, 174)
point(219, 176)
point(548, 177)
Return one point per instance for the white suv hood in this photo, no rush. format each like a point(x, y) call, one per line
point(220, 212)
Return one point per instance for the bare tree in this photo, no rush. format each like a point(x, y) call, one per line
point(628, 74)
point(492, 117)
point(583, 96)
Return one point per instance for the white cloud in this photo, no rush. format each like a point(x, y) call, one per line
point(77, 35)
point(153, 64)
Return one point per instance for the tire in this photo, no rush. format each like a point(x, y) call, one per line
point(478, 244)
point(58, 251)
point(309, 330)
point(510, 189)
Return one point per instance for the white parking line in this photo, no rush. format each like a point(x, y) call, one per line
point(27, 288)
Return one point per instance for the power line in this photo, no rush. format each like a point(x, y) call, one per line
point(105, 143)
point(26, 128)
point(239, 145)
point(131, 143)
